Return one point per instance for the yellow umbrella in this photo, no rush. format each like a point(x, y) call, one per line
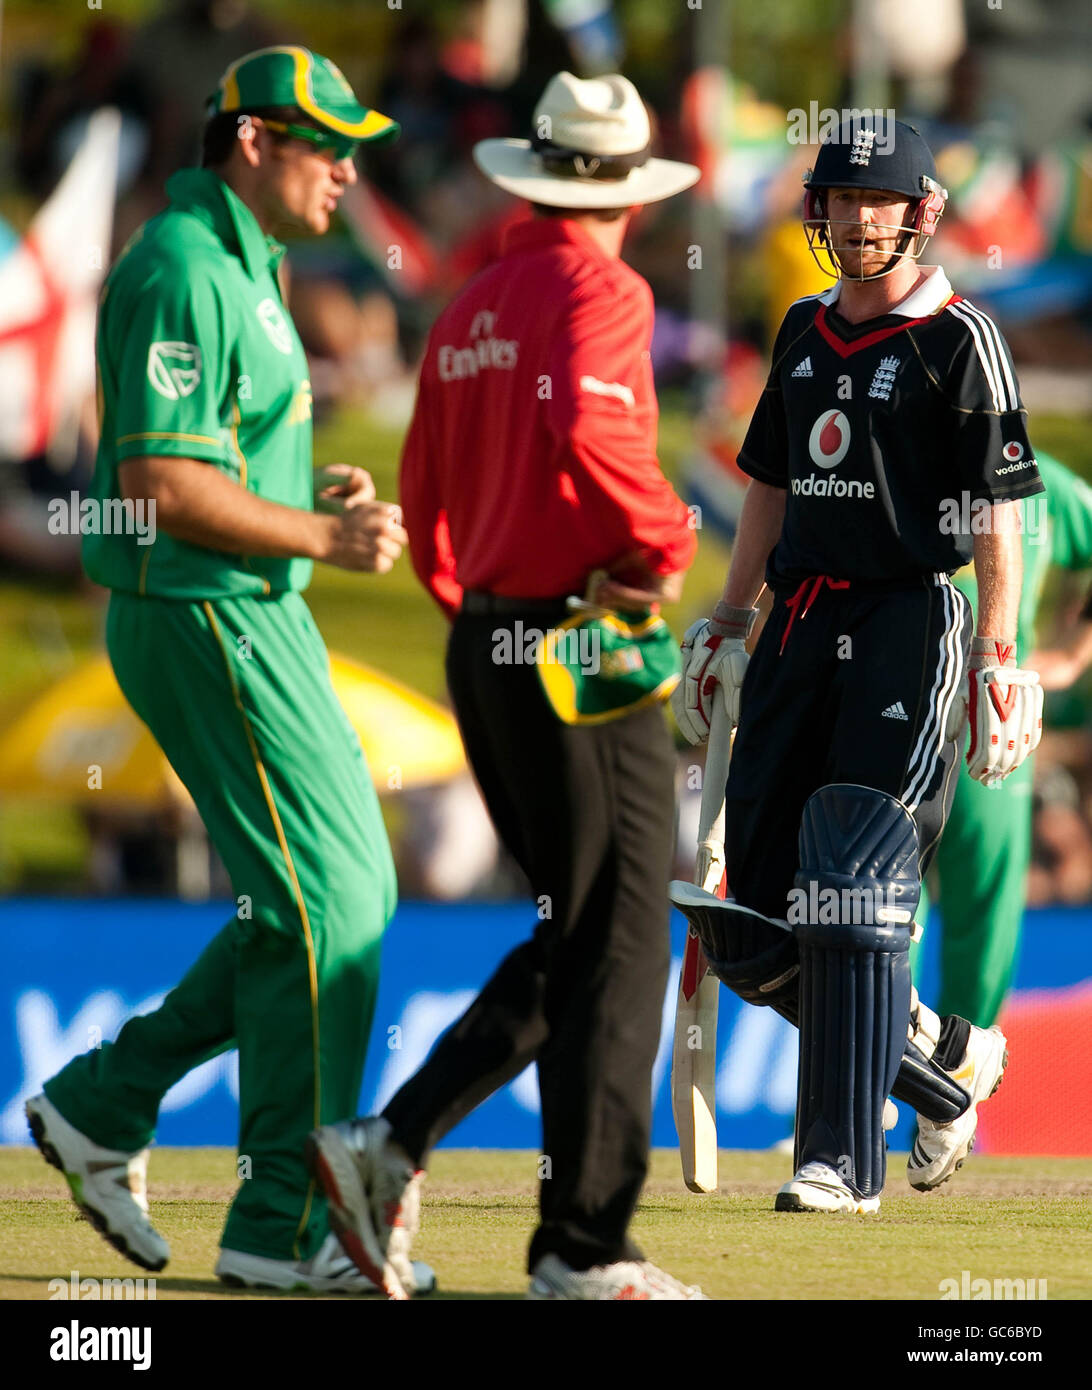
point(79, 742)
point(408, 739)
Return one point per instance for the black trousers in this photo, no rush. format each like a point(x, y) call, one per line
point(588, 813)
point(845, 685)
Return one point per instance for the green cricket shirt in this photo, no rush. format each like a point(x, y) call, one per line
point(1057, 531)
point(198, 358)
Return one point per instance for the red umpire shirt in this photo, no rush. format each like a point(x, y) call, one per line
point(531, 459)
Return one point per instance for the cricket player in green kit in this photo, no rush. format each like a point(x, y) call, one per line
point(982, 860)
point(206, 410)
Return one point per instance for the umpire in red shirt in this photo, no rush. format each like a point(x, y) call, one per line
point(531, 465)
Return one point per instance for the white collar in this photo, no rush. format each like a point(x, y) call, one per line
point(925, 299)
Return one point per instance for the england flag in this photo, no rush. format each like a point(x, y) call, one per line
point(49, 283)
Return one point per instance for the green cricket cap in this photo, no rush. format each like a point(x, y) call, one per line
point(616, 666)
point(291, 76)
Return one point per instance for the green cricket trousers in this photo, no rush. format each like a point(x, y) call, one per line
point(237, 693)
point(981, 866)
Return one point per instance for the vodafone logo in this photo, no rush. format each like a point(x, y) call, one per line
point(1016, 459)
point(828, 442)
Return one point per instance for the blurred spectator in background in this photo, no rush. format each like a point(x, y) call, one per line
point(52, 109)
point(351, 342)
point(1061, 864)
point(443, 110)
point(158, 75)
point(179, 55)
point(448, 848)
point(592, 32)
point(1032, 60)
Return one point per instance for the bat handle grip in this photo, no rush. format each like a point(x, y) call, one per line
point(717, 758)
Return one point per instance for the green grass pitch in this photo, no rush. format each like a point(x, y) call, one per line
point(999, 1218)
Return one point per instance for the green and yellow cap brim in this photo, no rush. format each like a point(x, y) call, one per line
point(291, 76)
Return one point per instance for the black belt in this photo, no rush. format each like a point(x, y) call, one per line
point(478, 603)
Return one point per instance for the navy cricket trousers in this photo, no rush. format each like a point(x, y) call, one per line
point(847, 684)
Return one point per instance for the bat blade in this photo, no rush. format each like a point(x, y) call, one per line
point(694, 1053)
point(693, 1070)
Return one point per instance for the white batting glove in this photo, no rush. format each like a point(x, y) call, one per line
point(714, 658)
point(1005, 710)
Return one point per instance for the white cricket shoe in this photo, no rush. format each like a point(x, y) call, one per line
point(330, 1270)
point(941, 1149)
point(109, 1186)
point(817, 1187)
point(373, 1198)
point(628, 1279)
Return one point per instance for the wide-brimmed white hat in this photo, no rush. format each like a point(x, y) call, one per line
point(590, 150)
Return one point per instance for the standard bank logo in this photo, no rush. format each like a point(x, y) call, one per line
point(174, 369)
point(276, 328)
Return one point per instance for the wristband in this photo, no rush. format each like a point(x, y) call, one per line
point(992, 651)
point(732, 622)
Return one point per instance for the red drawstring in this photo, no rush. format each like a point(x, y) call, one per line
point(793, 604)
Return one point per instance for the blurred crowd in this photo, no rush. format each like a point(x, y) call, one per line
point(1000, 93)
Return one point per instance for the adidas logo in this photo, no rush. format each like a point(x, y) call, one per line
point(803, 368)
point(895, 711)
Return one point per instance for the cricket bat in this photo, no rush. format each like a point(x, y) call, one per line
point(694, 1056)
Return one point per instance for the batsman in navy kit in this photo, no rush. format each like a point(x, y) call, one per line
point(885, 453)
